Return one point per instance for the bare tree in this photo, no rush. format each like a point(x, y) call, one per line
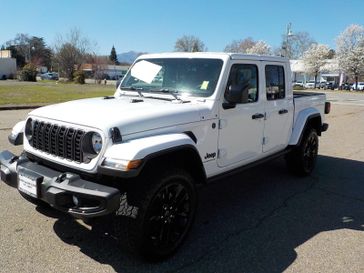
point(315, 58)
point(260, 48)
point(189, 44)
point(70, 52)
point(297, 44)
point(21, 42)
point(350, 51)
point(240, 46)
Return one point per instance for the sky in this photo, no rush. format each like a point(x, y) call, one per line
point(155, 25)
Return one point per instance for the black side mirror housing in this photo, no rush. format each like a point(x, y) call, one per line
point(233, 93)
point(237, 93)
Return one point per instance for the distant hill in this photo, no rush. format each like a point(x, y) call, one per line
point(128, 57)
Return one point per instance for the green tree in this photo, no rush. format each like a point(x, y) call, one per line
point(79, 77)
point(29, 73)
point(113, 57)
point(40, 53)
point(15, 53)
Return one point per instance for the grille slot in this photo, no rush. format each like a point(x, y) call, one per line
point(62, 141)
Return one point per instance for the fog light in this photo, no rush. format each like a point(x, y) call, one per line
point(75, 200)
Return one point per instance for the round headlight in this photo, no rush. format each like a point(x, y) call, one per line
point(29, 129)
point(96, 141)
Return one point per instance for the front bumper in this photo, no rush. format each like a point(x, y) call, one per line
point(66, 192)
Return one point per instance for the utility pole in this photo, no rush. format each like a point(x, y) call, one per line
point(285, 46)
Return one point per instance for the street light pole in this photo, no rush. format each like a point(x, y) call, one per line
point(30, 49)
point(288, 34)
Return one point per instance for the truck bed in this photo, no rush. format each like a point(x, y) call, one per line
point(299, 94)
point(308, 100)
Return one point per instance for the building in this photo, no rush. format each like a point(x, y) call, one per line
point(7, 65)
point(330, 72)
point(116, 71)
point(105, 71)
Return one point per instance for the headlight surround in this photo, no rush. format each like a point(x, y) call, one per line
point(29, 129)
point(96, 142)
point(91, 145)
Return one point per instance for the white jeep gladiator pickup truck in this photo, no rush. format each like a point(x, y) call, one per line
point(175, 121)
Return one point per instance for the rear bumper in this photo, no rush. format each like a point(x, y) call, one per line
point(64, 191)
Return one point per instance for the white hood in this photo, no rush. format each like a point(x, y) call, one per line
point(120, 112)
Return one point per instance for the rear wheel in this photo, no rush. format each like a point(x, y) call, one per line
point(302, 159)
point(165, 215)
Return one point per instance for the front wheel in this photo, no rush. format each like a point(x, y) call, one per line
point(302, 159)
point(166, 212)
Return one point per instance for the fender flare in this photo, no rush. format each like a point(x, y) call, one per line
point(144, 147)
point(301, 122)
point(149, 148)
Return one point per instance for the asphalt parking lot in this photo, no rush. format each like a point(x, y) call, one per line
point(262, 220)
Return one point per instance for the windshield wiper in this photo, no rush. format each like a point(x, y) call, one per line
point(132, 88)
point(168, 91)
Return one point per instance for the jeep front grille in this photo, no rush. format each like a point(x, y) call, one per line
point(58, 140)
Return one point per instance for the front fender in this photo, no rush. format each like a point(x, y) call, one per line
point(128, 158)
point(140, 148)
point(303, 117)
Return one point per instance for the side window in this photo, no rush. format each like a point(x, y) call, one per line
point(275, 82)
point(244, 77)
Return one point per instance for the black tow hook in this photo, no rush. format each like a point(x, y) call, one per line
point(62, 177)
point(13, 159)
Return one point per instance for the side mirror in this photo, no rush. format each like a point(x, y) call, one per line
point(233, 93)
point(237, 93)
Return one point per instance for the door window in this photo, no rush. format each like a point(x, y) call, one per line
point(245, 78)
point(275, 82)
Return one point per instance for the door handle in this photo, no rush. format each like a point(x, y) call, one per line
point(257, 116)
point(283, 111)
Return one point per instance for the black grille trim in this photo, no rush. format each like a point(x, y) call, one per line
point(61, 141)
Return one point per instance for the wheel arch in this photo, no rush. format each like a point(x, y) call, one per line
point(306, 119)
point(185, 157)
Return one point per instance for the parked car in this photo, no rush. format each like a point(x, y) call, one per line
point(321, 85)
point(310, 84)
point(49, 76)
point(297, 83)
point(346, 86)
point(331, 85)
point(360, 86)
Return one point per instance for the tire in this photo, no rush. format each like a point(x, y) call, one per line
point(166, 212)
point(302, 159)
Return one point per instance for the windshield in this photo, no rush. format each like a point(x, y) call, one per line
point(193, 77)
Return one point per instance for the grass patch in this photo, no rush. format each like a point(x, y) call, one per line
point(25, 93)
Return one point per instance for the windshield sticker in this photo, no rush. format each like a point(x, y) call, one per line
point(204, 85)
point(145, 71)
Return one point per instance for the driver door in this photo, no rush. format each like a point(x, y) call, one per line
point(242, 123)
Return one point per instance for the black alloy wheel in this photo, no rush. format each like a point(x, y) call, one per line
point(302, 159)
point(310, 151)
point(169, 216)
